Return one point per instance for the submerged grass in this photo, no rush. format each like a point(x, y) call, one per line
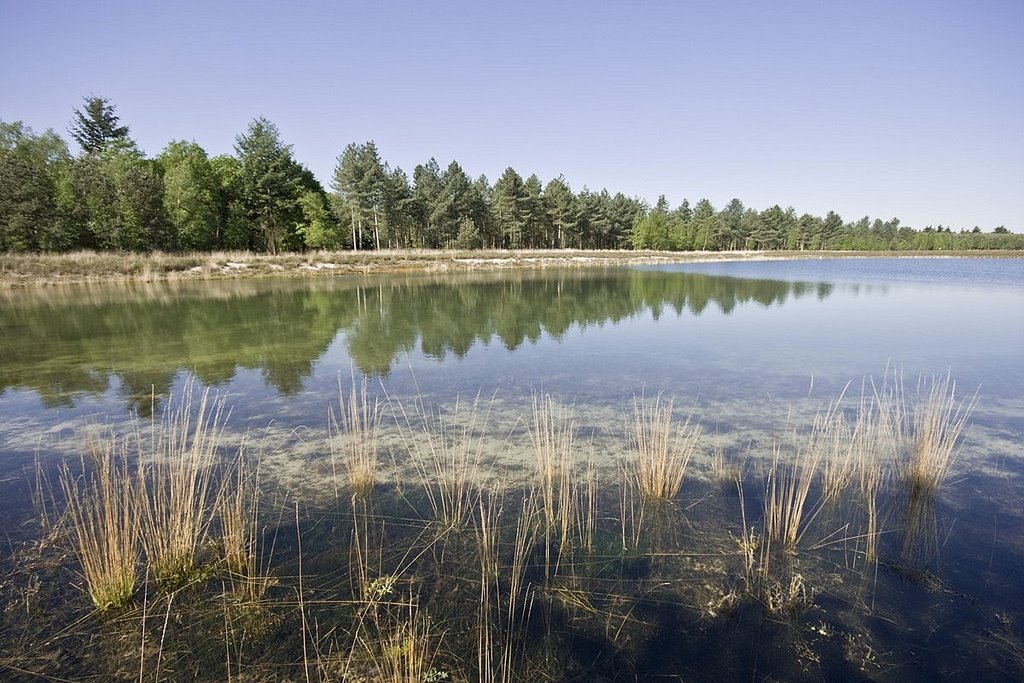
point(447, 452)
point(541, 586)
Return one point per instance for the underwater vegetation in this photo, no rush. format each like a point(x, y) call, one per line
point(168, 553)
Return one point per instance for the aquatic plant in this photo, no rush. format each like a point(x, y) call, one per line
point(505, 597)
point(786, 492)
point(447, 453)
point(176, 484)
point(357, 426)
point(552, 433)
point(937, 427)
point(661, 453)
point(239, 523)
point(102, 513)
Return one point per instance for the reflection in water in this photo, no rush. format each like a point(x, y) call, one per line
point(919, 530)
point(61, 343)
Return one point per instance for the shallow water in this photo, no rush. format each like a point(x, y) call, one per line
point(750, 351)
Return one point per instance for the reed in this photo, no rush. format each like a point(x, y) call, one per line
point(357, 427)
point(176, 474)
point(836, 439)
point(103, 519)
point(877, 441)
point(723, 471)
point(786, 492)
point(662, 453)
point(553, 433)
point(239, 522)
point(870, 483)
point(505, 598)
point(447, 452)
point(403, 654)
point(938, 425)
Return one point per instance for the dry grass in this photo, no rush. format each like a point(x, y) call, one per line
point(786, 492)
point(447, 452)
point(176, 484)
point(239, 520)
point(877, 443)
point(103, 516)
point(358, 429)
point(562, 504)
point(402, 654)
point(505, 600)
point(662, 453)
point(938, 425)
point(837, 441)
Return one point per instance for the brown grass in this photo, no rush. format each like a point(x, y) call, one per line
point(938, 425)
point(358, 430)
point(103, 517)
point(505, 600)
point(786, 492)
point(662, 453)
point(176, 484)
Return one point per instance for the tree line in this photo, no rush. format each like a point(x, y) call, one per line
point(111, 197)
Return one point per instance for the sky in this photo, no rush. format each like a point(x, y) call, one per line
point(907, 109)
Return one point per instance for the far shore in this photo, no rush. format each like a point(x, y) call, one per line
point(23, 270)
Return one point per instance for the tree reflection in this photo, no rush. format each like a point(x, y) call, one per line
point(78, 341)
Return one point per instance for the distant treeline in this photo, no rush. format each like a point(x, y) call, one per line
point(111, 197)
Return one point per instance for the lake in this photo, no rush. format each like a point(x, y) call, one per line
point(901, 583)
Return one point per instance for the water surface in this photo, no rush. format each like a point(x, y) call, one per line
point(751, 351)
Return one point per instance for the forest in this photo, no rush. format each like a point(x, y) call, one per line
point(111, 197)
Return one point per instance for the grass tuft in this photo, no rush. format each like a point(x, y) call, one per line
point(103, 516)
point(358, 427)
point(662, 453)
point(938, 426)
point(176, 485)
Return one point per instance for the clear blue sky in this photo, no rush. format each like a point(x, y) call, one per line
point(896, 108)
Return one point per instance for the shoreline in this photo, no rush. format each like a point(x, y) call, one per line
point(41, 270)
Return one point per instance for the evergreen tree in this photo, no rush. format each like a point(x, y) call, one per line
point(563, 212)
point(507, 205)
point(270, 183)
point(535, 215)
point(96, 125)
point(426, 198)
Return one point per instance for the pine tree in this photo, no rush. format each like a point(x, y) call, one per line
point(96, 125)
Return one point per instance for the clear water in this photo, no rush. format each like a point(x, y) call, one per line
point(749, 350)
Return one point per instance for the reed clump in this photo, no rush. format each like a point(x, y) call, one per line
point(177, 493)
point(447, 452)
point(938, 425)
point(505, 600)
point(239, 524)
point(102, 512)
point(357, 426)
point(787, 490)
point(662, 450)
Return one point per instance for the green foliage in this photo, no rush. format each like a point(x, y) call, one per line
point(31, 170)
point(192, 196)
point(119, 197)
point(508, 206)
point(318, 229)
point(360, 188)
point(96, 125)
point(111, 197)
point(270, 183)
